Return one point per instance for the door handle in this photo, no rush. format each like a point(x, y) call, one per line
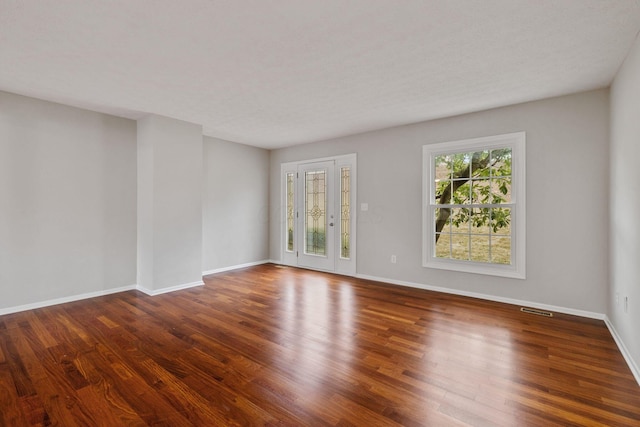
point(331, 224)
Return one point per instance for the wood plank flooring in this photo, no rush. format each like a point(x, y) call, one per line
point(283, 346)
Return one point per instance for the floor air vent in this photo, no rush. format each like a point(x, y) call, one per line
point(536, 311)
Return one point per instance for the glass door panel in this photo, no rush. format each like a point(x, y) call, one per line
point(317, 216)
point(315, 212)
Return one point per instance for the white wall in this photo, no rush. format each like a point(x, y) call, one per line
point(235, 204)
point(169, 203)
point(67, 201)
point(625, 204)
point(567, 213)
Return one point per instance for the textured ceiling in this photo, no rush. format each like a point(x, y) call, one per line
point(273, 73)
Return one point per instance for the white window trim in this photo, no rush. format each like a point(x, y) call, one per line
point(516, 141)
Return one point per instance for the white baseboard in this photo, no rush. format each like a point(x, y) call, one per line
point(592, 315)
point(154, 292)
point(635, 370)
point(623, 349)
point(56, 301)
point(235, 267)
point(547, 307)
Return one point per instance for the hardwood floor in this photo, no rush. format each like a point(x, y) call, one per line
point(283, 346)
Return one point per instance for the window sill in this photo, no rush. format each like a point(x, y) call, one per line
point(509, 271)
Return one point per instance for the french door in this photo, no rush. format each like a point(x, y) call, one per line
point(318, 217)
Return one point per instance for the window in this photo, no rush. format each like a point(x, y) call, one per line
point(290, 193)
point(345, 211)
point(474, 205)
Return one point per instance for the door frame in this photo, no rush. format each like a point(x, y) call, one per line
point(345, 266)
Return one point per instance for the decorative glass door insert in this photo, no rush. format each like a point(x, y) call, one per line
point(291, 209)
point(345, 212)
point(315, 212)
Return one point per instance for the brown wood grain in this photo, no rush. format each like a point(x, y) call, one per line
point(283, 346)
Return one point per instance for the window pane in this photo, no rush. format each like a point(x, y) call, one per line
point(479, 221)
point(460, 162)
point(501, 162)
point(290, 211)
point(315, 212)
point(443, 169)
point(480, 163)
point(460, 220)
point(501, 221)
point(461, 192)
point(345, 217)
point(442, 220)
point(460, 246)
point(480, 248)
point(480, 191)
point(501, 250)
point(443, 245)
point(441, 189)
point(501, 190)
